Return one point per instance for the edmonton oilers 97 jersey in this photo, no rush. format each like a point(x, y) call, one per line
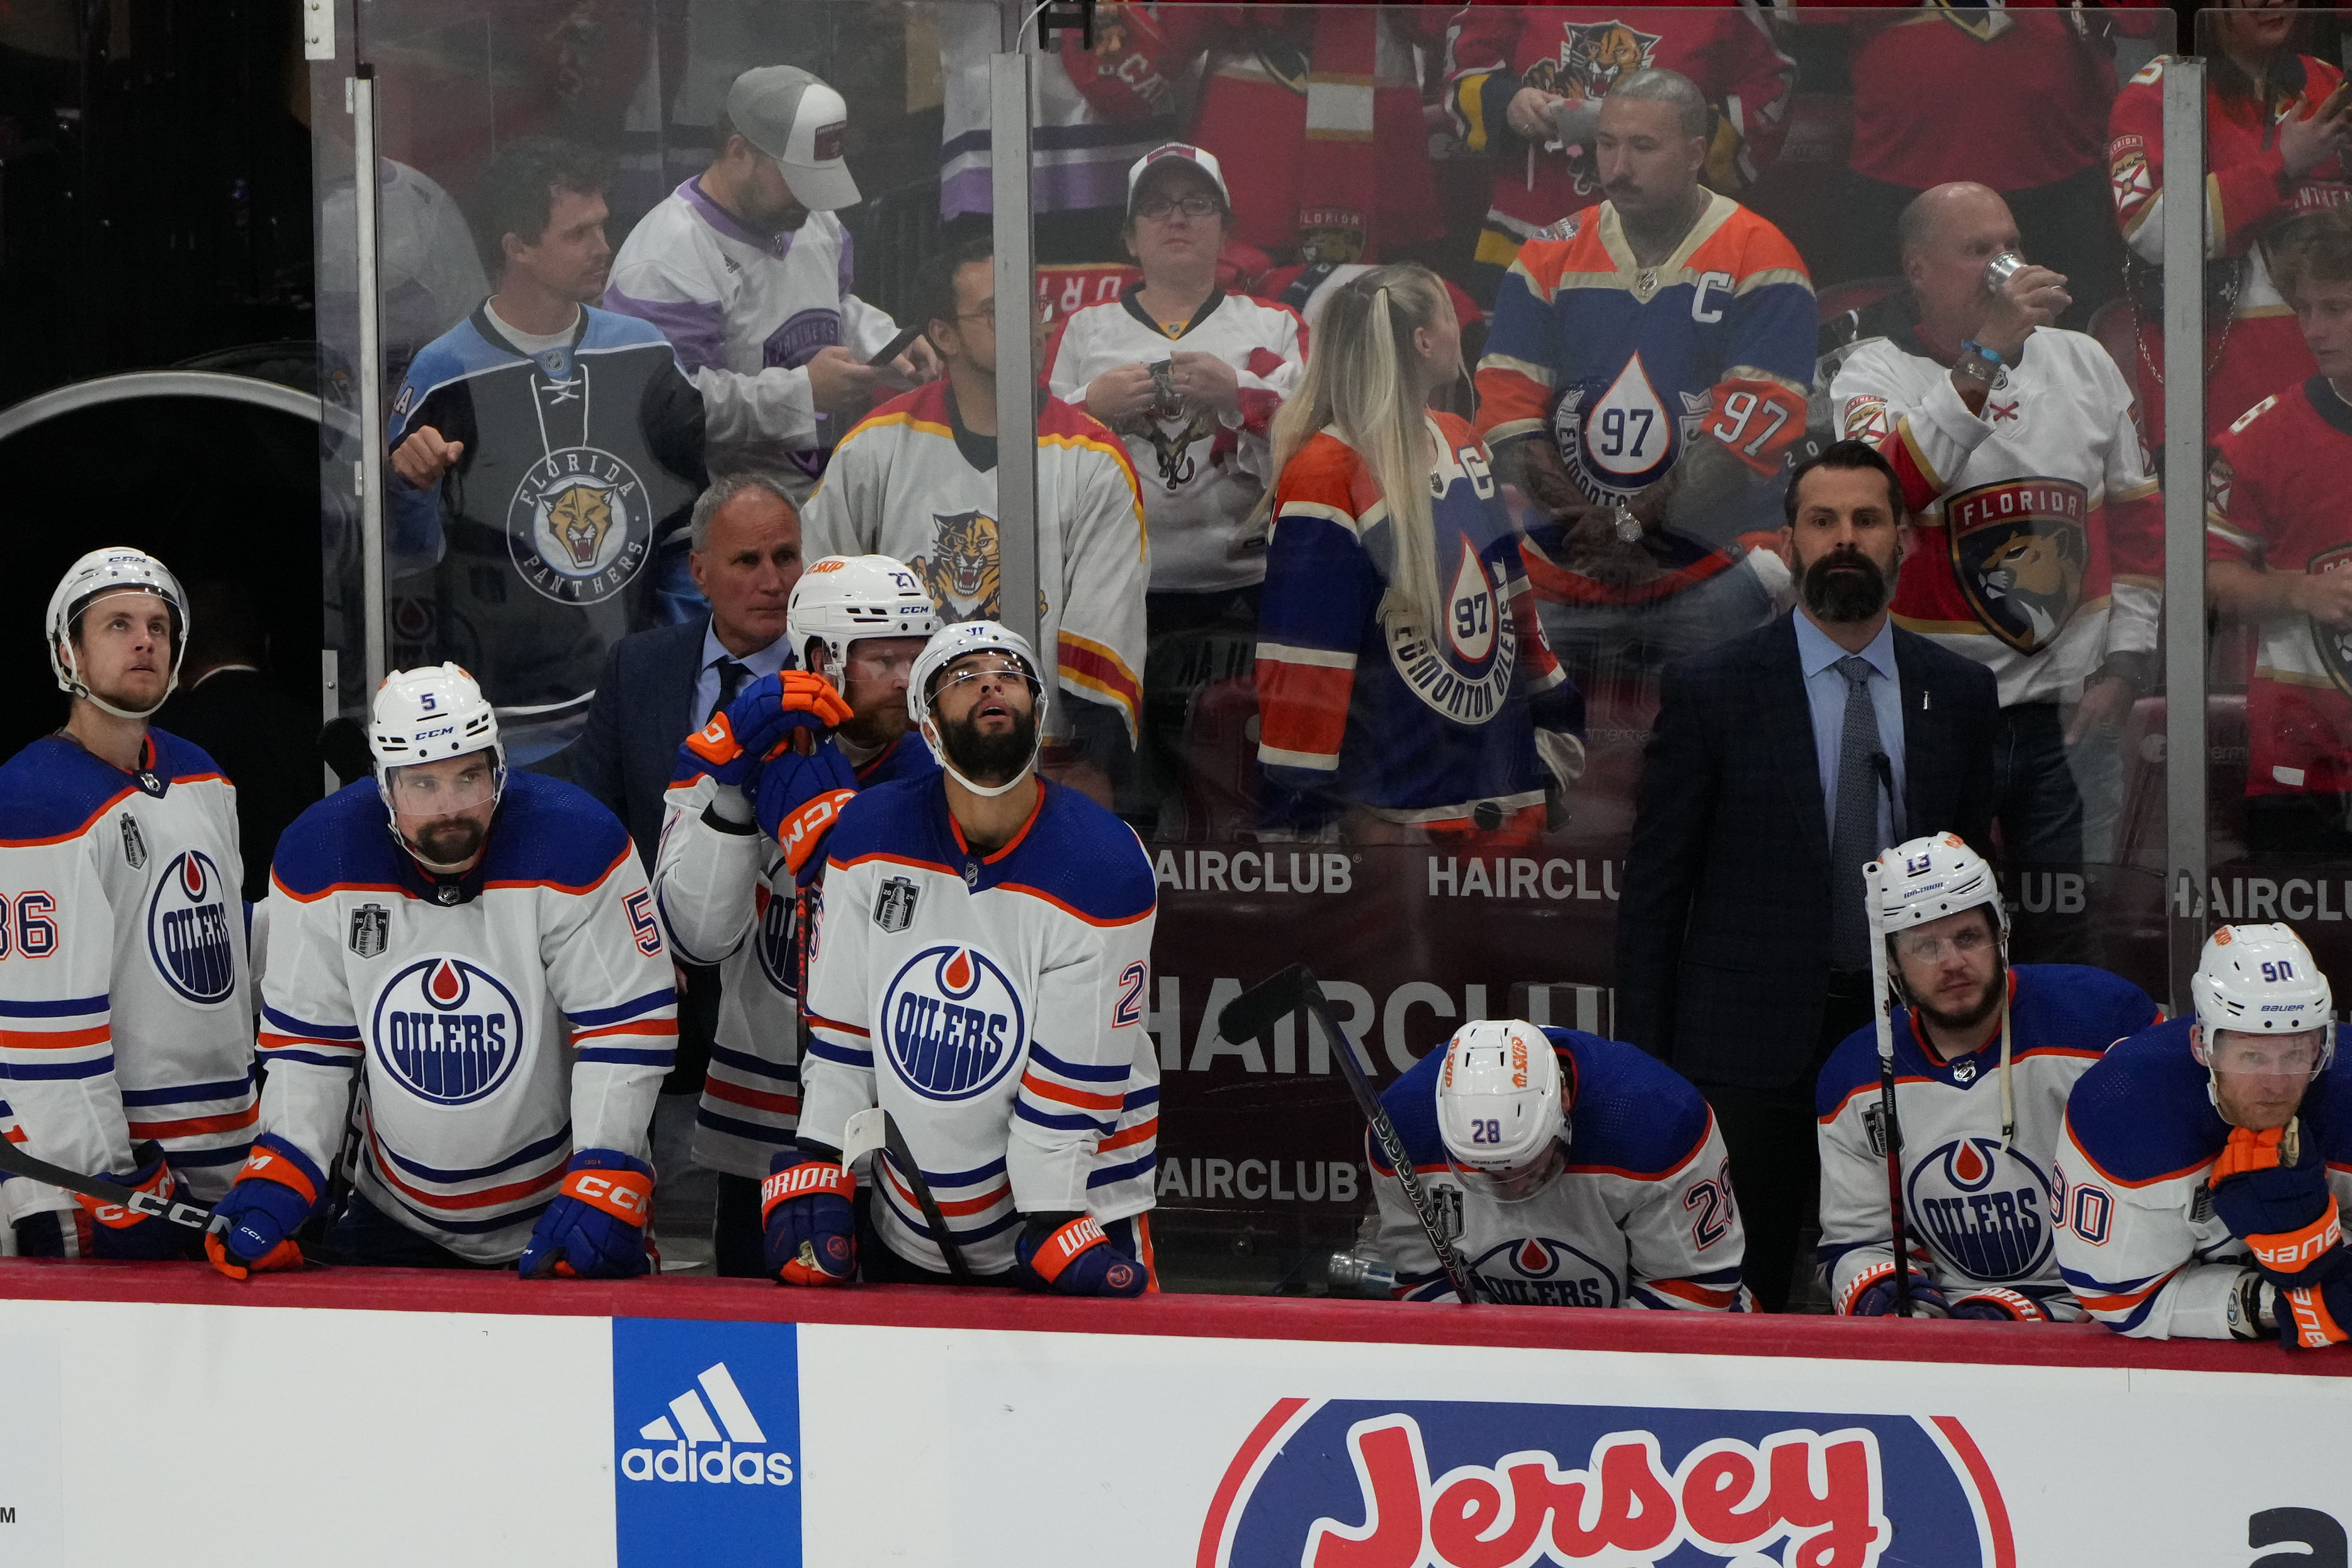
point(1977, 1215)
point(500, 1020)
point(994, 1005)
point(126, 1004)
point(1640, 1215)
point(726, 899)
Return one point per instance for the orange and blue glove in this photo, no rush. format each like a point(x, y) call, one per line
point(1069, 1255)
point(2270, 1187)
point(116, 1232)
point(748, 730)
point(811, 1235)
point(595, 1228)
point(798, 801)
point(1997, 1304)
point(253, 1227)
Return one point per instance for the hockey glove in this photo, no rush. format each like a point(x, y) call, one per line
point(253, 1227)
point(811, 1236)
point(1996, 1304)
point(2270, 1187)
point(1872, 1295)
point(595, 1228)
point(1069, 1255)
point(2313, 1317)
point(799, 799)
point(740, 736)
point(119, 1232)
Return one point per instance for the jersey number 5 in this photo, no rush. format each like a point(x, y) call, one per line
point(640, 905)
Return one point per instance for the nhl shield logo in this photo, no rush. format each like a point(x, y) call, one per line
point(2021, 550)
point(371, 929)
point(2333, 646)
point(894, 906)
point(579, 527)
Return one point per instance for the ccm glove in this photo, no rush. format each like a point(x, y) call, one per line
point(116, 1232)
point(1996, 1304)
point(1872, 1295)
point(253, 1227)
point(595, 1228)
point(744, 734)
point(798, 801)
point(811, 1235)
point(1070, 1255)
point(2270, 1187)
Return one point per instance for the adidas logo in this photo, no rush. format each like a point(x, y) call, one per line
point(696, 1449)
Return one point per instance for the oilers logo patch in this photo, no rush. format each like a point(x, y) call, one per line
point(580, 526)
point(2021, 550)
point(951, 1024)
point(772, 937)
point(371, 930)
point(188, 930)
point(1617, 438)
point(1539, 1271)
point(1983, 1209)
point(894, 904)
point(446, 1030)
point(1464, 672)
point(2333, 645)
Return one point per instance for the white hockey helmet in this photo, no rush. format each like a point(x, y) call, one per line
point(1499, 1103)
point(1927, 878)
point(957, 640)
point(426, 714)
point(2261, 979)
point(101, 573)
point(843, 598)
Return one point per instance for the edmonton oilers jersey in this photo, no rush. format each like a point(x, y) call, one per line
point(1429, 724)
point(1981, 1212)
point(727, 899)
point(994, 1005)
point(1640, 1214)
point(126, 1005)
point(500, 1020)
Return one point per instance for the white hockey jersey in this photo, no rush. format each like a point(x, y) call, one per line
point(1641, 1214)
point(499, 1019)
point(2138, 1241)
point(2039, 533)
point(1202, 470)
point(727, 899)
point(1976, 1215)
point(746, 313)
point(994, 1005)
point(1078, 156)
point(126, 999)
point(904, 484)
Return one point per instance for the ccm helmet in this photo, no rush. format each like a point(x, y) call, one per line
point(96, 576)
point(427, 714)
point(1499, 1103)
point(2260, 979)
point(955, 640)
point(843, 598)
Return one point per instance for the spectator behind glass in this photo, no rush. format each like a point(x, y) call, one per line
point(1405, 690)
point(1190, 377)
point(917, 481)
point(2042, 533)
point(2275, 130)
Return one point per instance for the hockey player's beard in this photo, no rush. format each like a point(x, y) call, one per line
point(1983, 1008)
point(447, 842)
point(990, 758)
point(1844, 585)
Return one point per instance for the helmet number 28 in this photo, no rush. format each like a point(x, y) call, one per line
point(1486, 1130)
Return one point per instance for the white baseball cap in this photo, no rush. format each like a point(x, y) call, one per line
point(1201, 158)
point(799, 121)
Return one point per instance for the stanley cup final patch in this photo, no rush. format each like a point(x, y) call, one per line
point(2021, 550)
point(894, 904)
point(371, 929)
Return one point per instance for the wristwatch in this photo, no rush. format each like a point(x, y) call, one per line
point(1980, 364)
point(1628, 526)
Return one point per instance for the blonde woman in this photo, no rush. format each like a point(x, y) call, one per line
point(1405, 690)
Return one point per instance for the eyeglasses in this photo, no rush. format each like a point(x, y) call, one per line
point(417, 793)
point(1162, 207)
point(1934, 949)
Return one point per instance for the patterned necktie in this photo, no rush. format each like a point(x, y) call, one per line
point(731, 677)
point(1854, 838)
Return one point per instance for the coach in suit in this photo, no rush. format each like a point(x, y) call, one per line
point(1742, 951)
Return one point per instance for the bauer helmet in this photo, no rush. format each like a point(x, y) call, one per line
point(428, 714)
point(96, 576)
point(844, 598)
point(1928, 878)
point(958, 640)
point(1500, 1102)
point(2260, 979)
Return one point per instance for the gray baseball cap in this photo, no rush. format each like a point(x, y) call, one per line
point(799, 121)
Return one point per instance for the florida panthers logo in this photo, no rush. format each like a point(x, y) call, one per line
point(1593, 57)
point(1172, 437)
point(2333, 645)
point(2021, 550)
point(1983, 1209)
point(1538, 1271)
point(960, 572)
point(579, 527)
point(951, 1024)
point(446, 1030)
point(188, 930)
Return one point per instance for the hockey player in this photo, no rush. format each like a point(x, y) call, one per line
point(747, 812)
point(493, 971)
point(126, 1005)
point(980, 972)
point(1984, 1055)
point(1572, 1171)
point(2204, 1161)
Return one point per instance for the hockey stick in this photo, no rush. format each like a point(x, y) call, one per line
point(1890, 1130)
point(1295, 989)
point(894, 1146)
point(16, 1162)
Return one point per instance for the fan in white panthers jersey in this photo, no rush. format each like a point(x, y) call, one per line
point(492, 970)
point(1980, 1091)
point(1568, 1170)
point(126, 1009)
point(744, 822)
point(978, 970)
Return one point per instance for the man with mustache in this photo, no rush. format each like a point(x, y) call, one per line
point(1782, 762)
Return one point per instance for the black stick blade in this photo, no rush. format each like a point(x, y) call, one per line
point(1249, 1015)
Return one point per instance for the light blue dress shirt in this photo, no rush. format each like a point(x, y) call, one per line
point(775, 657)
point(1825, 690)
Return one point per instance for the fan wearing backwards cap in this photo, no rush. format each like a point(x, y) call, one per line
point(746, 270)
point(126, 1005)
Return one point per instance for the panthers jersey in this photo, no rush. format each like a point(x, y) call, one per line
point(126, 1004)
point(727, 899)
point(2138, 1241)
point(994, 1004)
point(498, 1019)
point(913, 483)
point(1976, 1213)
point(1640, 1215)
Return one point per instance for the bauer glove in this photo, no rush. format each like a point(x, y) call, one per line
point(811, 1235)
point(1069, 1254)
point(595, 1228)
point(1996, 1304)
point(742, 735)
point(2270, 1187)
point(1872, 1295)
point(253, 1227)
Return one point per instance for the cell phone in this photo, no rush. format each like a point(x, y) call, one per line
point(894, 348)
